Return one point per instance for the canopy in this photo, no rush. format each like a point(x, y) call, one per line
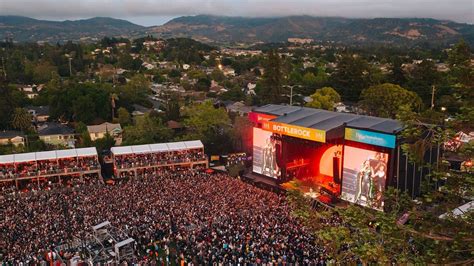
point(6, 159)
point(45, 155)
point(25, 157)
point(176, 146)
point(159, 147)
point(85, 152)
point(141, 149)
point(194, 144)
point(121, 150)
point(60, 154)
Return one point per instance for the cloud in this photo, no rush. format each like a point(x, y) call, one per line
point(457, 10)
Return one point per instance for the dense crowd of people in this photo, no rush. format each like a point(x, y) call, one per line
point(48, 167)
point(158, 158)
point(175, 216)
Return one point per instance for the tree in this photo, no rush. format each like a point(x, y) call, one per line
point(422, 78)
point(147, 129)
point(137, 89)
point(351, 76)
point(384, 100)
point(210, 125)
point(21, 119)
point(272, 82)
point(123, 116)
point(324, 98)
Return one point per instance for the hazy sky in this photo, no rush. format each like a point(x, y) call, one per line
point(155, 12)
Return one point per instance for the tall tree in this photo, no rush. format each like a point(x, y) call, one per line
point(21, 119)
point(272, 83)
point(351, 76)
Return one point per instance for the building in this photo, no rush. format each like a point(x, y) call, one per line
point(300, 40)
point(99, 131)
point(40, 114)
point(12, 137)
point(57, 134)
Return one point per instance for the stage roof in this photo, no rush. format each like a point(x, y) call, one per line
point(327, 120)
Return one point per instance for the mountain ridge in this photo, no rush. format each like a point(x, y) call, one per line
point(227, 30)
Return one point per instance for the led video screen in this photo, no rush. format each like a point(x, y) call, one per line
point(364, 177)
point(264, 154)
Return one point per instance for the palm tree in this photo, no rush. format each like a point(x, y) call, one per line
point(113, 97)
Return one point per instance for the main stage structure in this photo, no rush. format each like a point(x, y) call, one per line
point(334, 155)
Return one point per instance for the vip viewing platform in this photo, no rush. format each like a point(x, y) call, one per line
point(134, 159)
point(57, 163)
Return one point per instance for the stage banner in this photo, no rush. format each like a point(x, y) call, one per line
point(295, 131)
point(369, 137)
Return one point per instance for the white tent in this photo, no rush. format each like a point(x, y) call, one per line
point(7, 159)
point(176, 146)
point(25, 157)
point(122, 150)
point(85, 152)
point(66, 153)
point(141, 149)
point(460, 211)
point(159, 147)
point(194, 144)
point(46, 155)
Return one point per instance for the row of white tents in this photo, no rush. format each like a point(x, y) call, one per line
point(47, 155)
point(158, 147)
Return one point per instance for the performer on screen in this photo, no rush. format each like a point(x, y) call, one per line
point(364, 181)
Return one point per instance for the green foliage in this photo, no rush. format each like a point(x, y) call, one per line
point(353, 74)
point(272, 83)
point(78, 102)
point(185, 50)
point(9, 100)
point(21, 119)
point(324, 98)
point(124, 117)
point(210, 125)
point(136, 90)
point(147, 129)
point(384, 100)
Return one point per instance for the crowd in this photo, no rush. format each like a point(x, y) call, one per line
point(158, 158)
point(47, 167)
point(175, 216)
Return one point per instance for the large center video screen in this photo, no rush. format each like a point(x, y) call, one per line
point(364, 177)
point(265, 154)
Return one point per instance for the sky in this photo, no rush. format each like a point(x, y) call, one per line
point(157, 12)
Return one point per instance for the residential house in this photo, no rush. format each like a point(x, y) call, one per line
point(238, 108)
point(10, 136)
point(57, 134)
point(99, 131)
point(39, 114)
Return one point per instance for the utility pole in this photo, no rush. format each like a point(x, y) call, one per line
point(433, 90)
point(70, 66)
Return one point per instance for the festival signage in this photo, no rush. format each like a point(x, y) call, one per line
point(259, 117)
point(295, 131)
point(369, 137)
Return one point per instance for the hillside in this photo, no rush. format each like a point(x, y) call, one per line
point(25, 29)
point(394, 31)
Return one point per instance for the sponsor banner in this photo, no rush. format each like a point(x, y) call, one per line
point(259, 117)
point(369, 137)
point(295, 131)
